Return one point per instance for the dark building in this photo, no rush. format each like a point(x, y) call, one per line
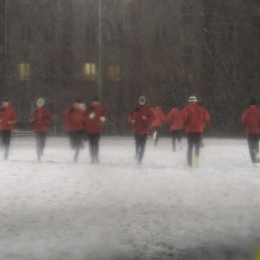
point(164, 49)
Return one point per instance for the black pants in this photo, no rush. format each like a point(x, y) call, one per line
point(176, 134)
point(156, 129)
point(140, 141)
point(193, 140)
point(253, 145)
point(94, 145)
point(6, 139)
point(40, 143)
point(76, 142)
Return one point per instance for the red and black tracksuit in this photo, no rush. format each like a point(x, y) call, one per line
point(41, 120)
point(195, 118)
point(141, 118)
point(7, 121)
point(251, 120)
point(74, 119)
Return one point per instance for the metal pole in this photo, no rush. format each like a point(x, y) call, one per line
point(100, 49)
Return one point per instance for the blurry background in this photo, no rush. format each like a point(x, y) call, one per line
point(166, 50)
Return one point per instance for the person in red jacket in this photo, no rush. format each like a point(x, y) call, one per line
point(251, 120)
point(7, 121)
point(141, 118)
point(74, 119)
point(174, 119)
point(41, 120)
point(195, 118)
point(159, 120)
point(95, 116)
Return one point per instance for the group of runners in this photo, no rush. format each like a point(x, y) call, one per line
point(86, 123)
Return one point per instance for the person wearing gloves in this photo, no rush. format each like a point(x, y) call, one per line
point(251, 120)
point(7, 121)
point(141, 118)
point(159, 120)
point(195, 117)
point(174, 119)
point(74, 119)
point(41, 120)
point(95, 116)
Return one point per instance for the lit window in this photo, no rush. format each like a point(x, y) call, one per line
point(90, 71)
point(24, 70)
point(114, 72)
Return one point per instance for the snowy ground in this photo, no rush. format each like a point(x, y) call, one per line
point(120, 211)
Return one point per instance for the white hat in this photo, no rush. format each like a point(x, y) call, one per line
point(193, 99)
point(41, 101)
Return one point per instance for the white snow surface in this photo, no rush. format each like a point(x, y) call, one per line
point(118, 209)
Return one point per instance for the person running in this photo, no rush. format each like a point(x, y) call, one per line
point(74, 118)
point(174, 119)
point(41, 120)
point(95, 116)
point(195, 118)
point(159, 120)
point(141, 118)
point(251, 120)
point(7, 121)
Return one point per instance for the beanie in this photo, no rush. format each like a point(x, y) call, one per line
point(142, 99)
point(41, 101)
point(193, 99)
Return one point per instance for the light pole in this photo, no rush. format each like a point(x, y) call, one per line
point(100, 49)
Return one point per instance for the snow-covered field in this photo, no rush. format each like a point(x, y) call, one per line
point(119, 210)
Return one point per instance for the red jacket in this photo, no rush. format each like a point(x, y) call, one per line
point(195, 118)
point(93, 117)
point(174, 119)
point(159, 117)
point(74, 119)
point(251, 120)
point(141, 125)
point(7, 118)
point(41, 120)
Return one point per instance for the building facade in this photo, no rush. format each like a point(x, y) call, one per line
point(166, 50)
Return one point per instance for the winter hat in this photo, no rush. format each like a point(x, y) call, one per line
point(5, 99)
point(41, 101)
point(253, 102)
point(142, 99)
point(96, 98)
point(193, 99)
